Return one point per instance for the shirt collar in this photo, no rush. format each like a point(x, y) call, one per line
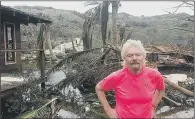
point(137, 75)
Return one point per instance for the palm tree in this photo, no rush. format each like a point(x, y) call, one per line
point(115, 6)
point(104, 20)
point(87, 34)
point(91, 18)
point(102, 14)
point(47, 30)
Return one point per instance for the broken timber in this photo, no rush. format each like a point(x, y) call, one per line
point(179, 88)
point(172, 101)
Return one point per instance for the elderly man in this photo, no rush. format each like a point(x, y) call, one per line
point(138, 89)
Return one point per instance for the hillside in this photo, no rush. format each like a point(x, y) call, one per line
point(156, 29)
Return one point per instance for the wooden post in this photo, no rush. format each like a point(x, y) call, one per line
point(0, 92)
point(42, 63)
point(42, 56)
point(1, 68)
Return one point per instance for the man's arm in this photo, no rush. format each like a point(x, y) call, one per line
point(102, 98)
point(160, 89)
point(159, 93)
point(157, 98)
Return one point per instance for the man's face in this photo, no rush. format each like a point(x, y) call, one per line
point(134, 58)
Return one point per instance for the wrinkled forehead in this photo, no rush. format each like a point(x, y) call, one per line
point(133, 50)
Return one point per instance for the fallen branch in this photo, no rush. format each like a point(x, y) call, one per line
point(70, 58)
point(40, 112)
point(179, 88)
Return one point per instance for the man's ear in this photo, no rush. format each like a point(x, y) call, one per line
point(145, 61)
point(123, 63)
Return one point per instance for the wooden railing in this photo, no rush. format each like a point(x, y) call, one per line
point(22, 50)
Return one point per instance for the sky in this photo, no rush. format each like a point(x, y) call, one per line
point(135, 8)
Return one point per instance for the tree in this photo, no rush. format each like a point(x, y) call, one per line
point(47, 34)
point(188, 48)
point(104, 20)
point(47, 30)
point(102, 14)
point(115, 6)
point(87, 34)
point(189, 5)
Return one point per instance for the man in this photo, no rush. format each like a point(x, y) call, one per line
point(138, 89)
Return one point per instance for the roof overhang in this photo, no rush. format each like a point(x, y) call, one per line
point(24, 17)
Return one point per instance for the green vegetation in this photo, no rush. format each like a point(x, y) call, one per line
point(156, 29)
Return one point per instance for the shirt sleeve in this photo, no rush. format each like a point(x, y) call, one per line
point(160, 84)
point(109, 82)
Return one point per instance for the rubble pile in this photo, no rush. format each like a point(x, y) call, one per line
point(86, 70)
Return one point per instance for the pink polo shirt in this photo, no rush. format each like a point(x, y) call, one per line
point(134, 93)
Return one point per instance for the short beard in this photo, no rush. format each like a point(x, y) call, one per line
point(135, 68)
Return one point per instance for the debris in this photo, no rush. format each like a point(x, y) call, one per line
point(175, 78)
point(66, 114)
point(172, 101)
point(179, 88)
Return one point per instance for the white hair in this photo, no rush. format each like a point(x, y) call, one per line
point(132, 43)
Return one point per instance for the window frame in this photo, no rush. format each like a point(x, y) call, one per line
point(5, 43)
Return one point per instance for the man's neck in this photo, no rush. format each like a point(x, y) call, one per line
point(136, 72)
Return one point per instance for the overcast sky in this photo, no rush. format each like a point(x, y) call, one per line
point(146, 8)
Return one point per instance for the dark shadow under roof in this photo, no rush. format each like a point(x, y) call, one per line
point(23, 16)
